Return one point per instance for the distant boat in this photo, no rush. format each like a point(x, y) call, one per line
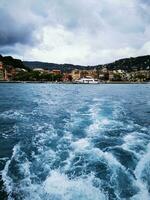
point(87, 80)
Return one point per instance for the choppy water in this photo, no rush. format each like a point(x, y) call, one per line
point(74, 142)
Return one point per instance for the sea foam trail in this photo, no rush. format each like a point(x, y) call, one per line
point(58, 186)
point(76, 187)
point(97, 151)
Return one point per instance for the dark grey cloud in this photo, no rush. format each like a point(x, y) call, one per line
point(19, 26)
point(12, 50)
point(11, 32)
point(77, 31)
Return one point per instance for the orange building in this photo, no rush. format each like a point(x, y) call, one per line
point(56, 72)
point(10, 73)
point(2, 76)
point(67, 77)
point(1, 65)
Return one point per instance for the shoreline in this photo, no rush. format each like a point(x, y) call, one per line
point(101, 83)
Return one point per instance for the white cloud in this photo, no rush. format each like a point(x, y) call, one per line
point(84, 31)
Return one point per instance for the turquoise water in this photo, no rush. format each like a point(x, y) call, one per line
point(74, 142)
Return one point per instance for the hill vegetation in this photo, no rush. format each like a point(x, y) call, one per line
point(131, 64)
point(127, 64)
point(10, 61)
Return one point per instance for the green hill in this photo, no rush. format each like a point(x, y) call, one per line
point(16, 63)
point(127, 64)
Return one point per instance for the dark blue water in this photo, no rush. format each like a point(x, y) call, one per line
point(74, 142)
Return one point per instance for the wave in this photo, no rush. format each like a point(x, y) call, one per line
point(97, 151)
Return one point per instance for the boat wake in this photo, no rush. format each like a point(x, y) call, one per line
point(95, 152)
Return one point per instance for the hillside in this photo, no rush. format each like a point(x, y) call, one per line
point(128, 64)
point(131, 64)
point(51, 66)
point(16, 63)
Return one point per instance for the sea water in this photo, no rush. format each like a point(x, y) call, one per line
point(74, 142)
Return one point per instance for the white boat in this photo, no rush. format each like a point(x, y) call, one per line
point(87, 80)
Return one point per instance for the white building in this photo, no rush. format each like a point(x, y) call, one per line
point(87, 80)
point(38, 70)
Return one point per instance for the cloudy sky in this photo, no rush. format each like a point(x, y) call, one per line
point(84, 32)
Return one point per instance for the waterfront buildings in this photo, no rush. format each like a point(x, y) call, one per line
point(1, 71)
point(100, 74)
point(75, 74)
point(56, 72)
point(78, 74)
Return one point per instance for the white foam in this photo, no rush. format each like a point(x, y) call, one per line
point(81, 144)
point(134, 139)
point(97, 154)
point(142, 194)
point(8, 182)
point(98, 125)
point(141, 167)
point(6, 179)
point(13, 114)
point(105, 121)
point(142, 163)
point(58, 186)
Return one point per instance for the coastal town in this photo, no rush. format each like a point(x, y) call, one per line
point(103, 74)
point(10, 73)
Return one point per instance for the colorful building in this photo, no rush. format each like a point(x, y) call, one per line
point(56, 72)
point(77, 74)
point(2, 74)
point(67, 77)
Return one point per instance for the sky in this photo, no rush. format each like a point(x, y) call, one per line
point(86, 32)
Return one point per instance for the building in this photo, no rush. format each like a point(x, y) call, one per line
point(56, 72)
point(76, 74)
point(104, 70)
point(1, 65)
point(2, 73)
point(38, 70)
point(20, 70)
point(10, 72)
point(111, 76)
point(67, 77)
point(92, 73)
